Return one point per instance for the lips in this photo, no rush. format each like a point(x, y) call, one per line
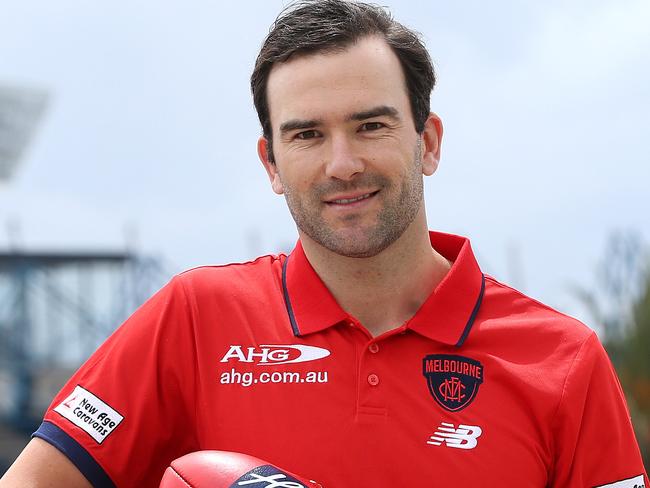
point(346, 200)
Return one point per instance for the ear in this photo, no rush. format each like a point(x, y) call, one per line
point(432, 139)
point(270, 166)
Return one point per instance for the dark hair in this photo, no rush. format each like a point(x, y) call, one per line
point(312, 26)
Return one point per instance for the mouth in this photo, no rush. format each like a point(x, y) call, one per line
point(351, 199)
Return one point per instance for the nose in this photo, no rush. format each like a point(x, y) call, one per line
point(344, 162)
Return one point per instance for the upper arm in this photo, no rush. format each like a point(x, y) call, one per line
point(595, 442)
point(41, 464)
point(118, 420)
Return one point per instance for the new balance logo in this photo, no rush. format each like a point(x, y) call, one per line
point(463, 437)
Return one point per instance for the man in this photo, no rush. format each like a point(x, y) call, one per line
point(376, 353)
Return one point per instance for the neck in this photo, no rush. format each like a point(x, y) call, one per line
point(383, 291)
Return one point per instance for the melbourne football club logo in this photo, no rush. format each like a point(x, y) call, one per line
point(453, 381)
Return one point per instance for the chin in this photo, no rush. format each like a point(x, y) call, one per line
point(356, 253)
point(356, 247)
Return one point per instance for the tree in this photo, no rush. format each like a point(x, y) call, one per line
point(620, 307)
point(634, 368)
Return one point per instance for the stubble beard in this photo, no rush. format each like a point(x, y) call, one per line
point(361, 240)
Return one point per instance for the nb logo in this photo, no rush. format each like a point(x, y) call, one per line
point(267, 477)
point(463, 437)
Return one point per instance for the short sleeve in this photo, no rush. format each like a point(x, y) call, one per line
point(593, 435)
point(126, 413)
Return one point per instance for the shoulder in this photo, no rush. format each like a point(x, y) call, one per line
point(522, 330)
point(262, 273)
point(504, 307)
point(544, 352)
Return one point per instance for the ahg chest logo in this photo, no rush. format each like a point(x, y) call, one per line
point(274, 354)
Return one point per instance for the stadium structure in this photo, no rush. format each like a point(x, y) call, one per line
point(56, 306)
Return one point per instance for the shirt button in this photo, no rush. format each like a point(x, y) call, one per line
point(373, 379)
point(373, 348)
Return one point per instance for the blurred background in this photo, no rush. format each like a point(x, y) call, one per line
point(127, 154)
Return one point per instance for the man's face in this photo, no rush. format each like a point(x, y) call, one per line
point(347, 156)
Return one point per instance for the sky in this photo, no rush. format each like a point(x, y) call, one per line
point(150, 133)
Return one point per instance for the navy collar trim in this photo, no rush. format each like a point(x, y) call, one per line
point(287, 299)
point(472, 317)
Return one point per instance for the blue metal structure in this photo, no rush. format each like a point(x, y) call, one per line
point(55, 309)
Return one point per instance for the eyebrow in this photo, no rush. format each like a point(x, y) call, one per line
point(295, 124)
point(379, 111)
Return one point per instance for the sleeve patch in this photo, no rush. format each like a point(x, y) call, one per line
point(89, 413)
point(636, 482)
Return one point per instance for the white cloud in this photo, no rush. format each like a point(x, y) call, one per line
point(578, 45)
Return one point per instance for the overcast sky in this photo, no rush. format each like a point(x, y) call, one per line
point(151, 128)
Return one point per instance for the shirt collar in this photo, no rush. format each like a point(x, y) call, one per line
point(446, 316)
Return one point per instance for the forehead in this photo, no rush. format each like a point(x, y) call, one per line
point(333, 84)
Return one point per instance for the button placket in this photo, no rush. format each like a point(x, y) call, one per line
point(373, 379)
point(371, 395)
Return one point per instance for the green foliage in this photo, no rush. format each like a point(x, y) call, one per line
point(634, 368)
point(620, 307)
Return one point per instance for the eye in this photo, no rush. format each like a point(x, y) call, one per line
point(307, 134)
point(369, 126)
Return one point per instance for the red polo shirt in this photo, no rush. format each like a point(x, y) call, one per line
point(482, 387)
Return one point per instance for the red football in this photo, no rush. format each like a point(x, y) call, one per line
point(223, 469)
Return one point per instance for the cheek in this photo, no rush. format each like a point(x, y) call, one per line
point(392, 162)
point(298, 173)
